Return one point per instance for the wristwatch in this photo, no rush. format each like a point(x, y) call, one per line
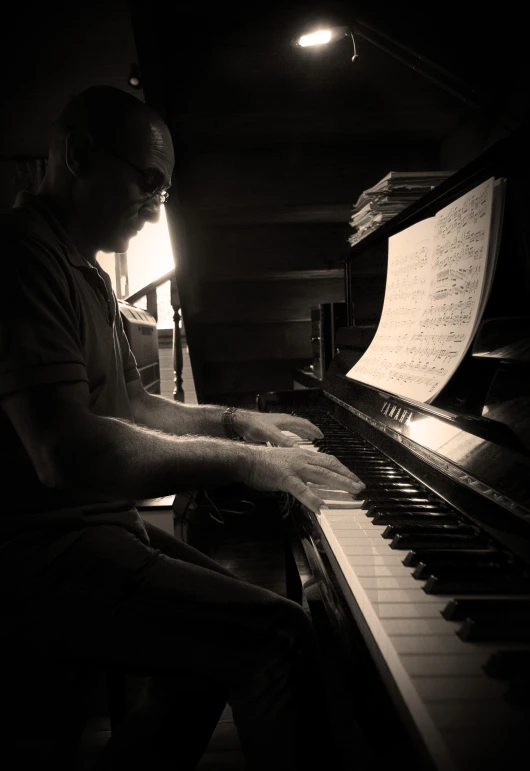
point(228, 423)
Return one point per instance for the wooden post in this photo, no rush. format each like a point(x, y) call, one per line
point(122, 275)
point(178, 391)
point(152, 303)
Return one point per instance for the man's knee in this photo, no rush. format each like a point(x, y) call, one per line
point(291, 626)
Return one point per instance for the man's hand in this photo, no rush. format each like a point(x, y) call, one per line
point(290, 469)
point(268, 427)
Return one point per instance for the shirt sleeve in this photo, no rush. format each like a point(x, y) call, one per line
point(39, 328)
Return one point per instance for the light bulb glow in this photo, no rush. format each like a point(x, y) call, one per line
point(315, 38)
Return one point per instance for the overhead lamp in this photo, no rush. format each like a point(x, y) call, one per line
point(323, 36)
point(134, 79)
point(417, 62)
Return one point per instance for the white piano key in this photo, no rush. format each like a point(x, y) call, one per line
point(332, 503)
point(423, 626)
point(364, 550)
point(414, 596)
point(431, 645)
point(348, 513)
point(409, 610)
point(333, 495)
point(362, 571)
point(461, 688)
point(343, 523)
point(458, 665)
point(365, 602)
point(350, 528)
point(375, 559)
point(344, 516)
point(388, 582)
point(360, 538)
point(363, 524)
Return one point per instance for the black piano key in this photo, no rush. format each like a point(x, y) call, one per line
point(486, 583)
point(506, 665)
point(459, 610)
point(391, 486)
point(405, 507)
point(423, 571)
point(379, 477)
point(383, 493)
point(432, 529)
point(389, 504)
point(456, 556)
point(480, 571)
point(436, 541)
point(495, 630)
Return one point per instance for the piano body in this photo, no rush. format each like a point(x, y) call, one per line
point(420, 590)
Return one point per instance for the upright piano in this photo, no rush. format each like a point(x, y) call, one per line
point(421, 594)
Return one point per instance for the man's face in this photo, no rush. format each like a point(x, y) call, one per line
point(125, 188)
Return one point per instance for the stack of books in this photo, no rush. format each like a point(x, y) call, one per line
point(392, 194)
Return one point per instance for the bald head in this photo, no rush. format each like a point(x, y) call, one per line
point(110, 164)
point(113, 118)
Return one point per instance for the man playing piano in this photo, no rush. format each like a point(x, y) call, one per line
point(86, 582)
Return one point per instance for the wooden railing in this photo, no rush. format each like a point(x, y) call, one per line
point(149, 292)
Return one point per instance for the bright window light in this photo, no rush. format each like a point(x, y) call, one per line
point(149, 255)
point(315, 38)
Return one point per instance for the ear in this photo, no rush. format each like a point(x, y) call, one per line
point(79, 153)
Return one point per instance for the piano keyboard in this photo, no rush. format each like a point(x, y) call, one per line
point(448, 609)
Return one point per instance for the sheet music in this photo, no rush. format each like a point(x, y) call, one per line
point(439, 274)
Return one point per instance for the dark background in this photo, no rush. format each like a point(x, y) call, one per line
point(274, 143)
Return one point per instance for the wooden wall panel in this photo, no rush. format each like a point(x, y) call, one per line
point(235, 382)
point(287, 297)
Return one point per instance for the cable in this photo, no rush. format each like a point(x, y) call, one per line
point(245, 507)
point(182, 515)
point(355, 55)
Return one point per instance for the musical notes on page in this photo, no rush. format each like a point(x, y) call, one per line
point(439, 274)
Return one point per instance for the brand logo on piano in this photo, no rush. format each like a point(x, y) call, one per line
point(399, 414)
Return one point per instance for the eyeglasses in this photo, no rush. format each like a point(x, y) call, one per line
point(149, 184)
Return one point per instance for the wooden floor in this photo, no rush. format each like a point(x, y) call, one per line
point(255, 553)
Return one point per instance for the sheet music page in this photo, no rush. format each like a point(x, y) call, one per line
point(434, 290)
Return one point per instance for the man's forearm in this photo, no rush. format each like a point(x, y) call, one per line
point(172, 417)
point(116, 459)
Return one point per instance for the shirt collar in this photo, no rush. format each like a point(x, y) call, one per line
point(36, 204)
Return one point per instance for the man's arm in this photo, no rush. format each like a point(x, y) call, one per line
point(161, 414)
point(71, 448)
point(172, 417)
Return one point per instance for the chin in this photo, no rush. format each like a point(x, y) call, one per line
point(121, 244)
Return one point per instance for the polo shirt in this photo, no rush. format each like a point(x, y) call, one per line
point(59, 322)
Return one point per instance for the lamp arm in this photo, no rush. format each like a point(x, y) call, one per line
point(420, 64)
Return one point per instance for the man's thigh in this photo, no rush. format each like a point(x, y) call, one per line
point(177, 549)
point(113, 601)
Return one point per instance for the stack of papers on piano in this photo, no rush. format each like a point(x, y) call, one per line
point(392, 194)
point(440, 272)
